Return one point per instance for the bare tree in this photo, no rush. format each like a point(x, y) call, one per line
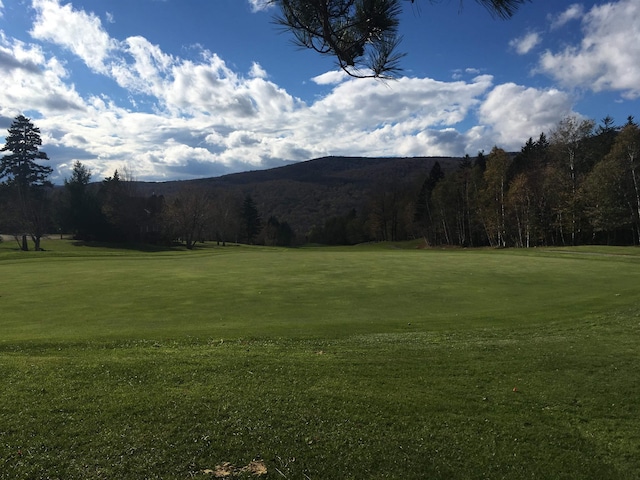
point(189, 215)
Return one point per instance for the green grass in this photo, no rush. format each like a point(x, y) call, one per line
point(381, 361)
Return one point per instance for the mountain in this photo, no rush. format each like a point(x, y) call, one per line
point(307, 193)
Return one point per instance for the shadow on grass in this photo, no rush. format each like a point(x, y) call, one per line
point(150, 248)
point(138, 247)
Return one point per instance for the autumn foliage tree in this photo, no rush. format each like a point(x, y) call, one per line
point(571, 160)
point(494, 197)
point(611, 190)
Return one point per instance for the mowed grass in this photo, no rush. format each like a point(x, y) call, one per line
point(369, 362)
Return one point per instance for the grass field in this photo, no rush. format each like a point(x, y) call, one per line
point(377, 361)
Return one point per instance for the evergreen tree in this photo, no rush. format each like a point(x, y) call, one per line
point(25, 180)
point(20, 167)
point(124, 210)
point(528, 201)
point(80, 212)
point(276, 233)
point(422, 213)
point(251, 218)
point(481, 161)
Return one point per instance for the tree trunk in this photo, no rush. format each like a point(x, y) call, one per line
point(36, 242)
point(25, 246)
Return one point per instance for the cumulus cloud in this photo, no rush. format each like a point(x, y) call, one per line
point(514, 113)
point(608, 58)
point(8, 61)
point(257, 71)
point(30, 79)
point(526, 43)
point(78, 31)
point(199, 116)
point(331, 78)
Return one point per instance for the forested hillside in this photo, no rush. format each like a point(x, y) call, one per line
point(577, 185)
point(307, 194)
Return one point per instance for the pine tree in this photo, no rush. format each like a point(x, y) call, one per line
point(79, 208)
point(251, 219)
point(19, 167)
point(24, 181)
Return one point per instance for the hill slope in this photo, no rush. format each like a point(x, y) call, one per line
point(307, 193)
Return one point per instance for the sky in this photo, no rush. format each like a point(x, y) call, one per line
point(183, 89)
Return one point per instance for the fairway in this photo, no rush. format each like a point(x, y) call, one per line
point(376, 361)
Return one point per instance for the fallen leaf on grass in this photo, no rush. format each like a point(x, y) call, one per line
point(256, 467)
point(227, 469)
point(223, 471)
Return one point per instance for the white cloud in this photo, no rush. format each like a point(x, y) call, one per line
point(331, 78)
point(459, 74)
point(149, 65)
point(257, 71)
point(1, 8)
point(526, 43)
point(515, 113)
point(204, 118)
point(402, 117)
point(78, 31)
point(574, 12)
point(30, 81)
point(421, 102)
point(259, 5)
point(608, 58)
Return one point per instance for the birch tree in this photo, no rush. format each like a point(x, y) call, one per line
point(571, 156)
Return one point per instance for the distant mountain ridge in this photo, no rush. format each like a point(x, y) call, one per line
point(307, 193)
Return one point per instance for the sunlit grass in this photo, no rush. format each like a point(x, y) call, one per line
point(371, 362)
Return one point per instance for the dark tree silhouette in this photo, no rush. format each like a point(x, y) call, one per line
point(251, 219)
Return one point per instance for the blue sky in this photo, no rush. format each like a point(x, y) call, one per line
point(180, 89)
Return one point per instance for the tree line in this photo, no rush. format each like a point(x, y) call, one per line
point(113, 210)
point(578, 184)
